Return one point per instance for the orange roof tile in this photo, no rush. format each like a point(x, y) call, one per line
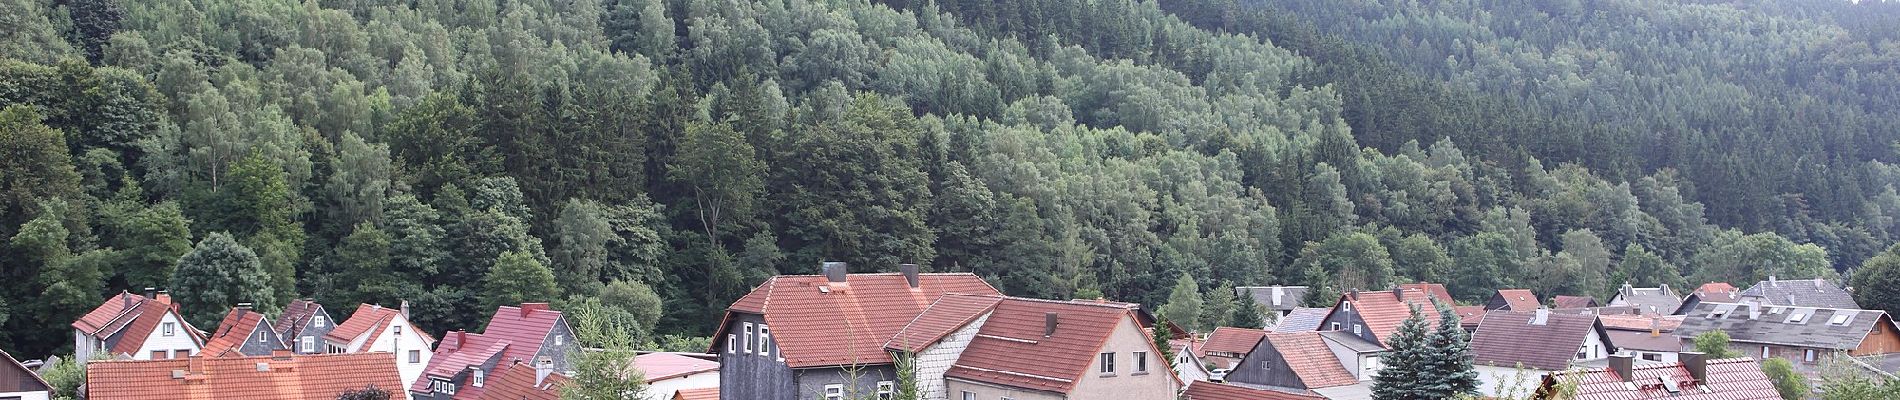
point(1016, 328)
point(1518, 299)
point(237, 327)
point(1311, 360)
point(818, 323)
point(516, 381)
point(1204, 390)
point(97, 319)
point(1728, 379)
point(657, 367)
point(1238, 341)
point(369, 319)
point(697, 394)
point(514, 333)
point(946, 315)
point(1437, 290)
point(311, 377)
point(1384, 310)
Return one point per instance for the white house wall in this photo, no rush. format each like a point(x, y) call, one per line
point(937, 359)
point(24, 395)
point(179, 340)
point(664, 390)
point(1508, 381)
point(401, 344)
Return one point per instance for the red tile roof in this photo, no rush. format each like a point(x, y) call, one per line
point(1384, 310)
point(1729, 379)
point(370, 319)
point(1716, 287)
point(514, 333)
point(1573, 302)
point(97, 319)
point(1518, 299)
point(135, 323)
point(1469, 315)
point(1204, 390)
point(1311, 360)
point(312, 377)
point(817, 323)
point(997, 354)
point(1239, 341)
point(697, 394)
point(1437, 290)
point(295, 317)
point(237, 327)
point(1509, 338)
point(657, 367)
point(516, 381)
point(946, 315)
point(1718, 292)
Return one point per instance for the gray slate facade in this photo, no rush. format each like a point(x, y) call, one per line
point(304, 321)
point(749, 375)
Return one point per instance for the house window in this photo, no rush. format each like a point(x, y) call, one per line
point(1808, 355)
point(1141, 362)
point(1108, 363)
point(967, 395)
point(1652, 357)
point(318, 321)
point(1764, 352)
point(170, 328)
point(158, 355)
point(445, 387)
point(260, 338)
point(833, 391)
point(765, 340)
point(415, 356)
point(1333, 327)
point(747, 344)
point(1583, 352)
point(886, 390)
point(475, 377)
point(559, 338)
point(309, 344)
point(730, 338)
point(1358, 328)
point(397, 330)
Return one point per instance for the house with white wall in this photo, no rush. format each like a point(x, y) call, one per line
point(138, 327)
point(374, 328)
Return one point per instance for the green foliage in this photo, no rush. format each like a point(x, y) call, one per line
point(1877, 282)
point(1449, 351)
point(726, 177)
point(1248, 314)
point(1407, 368)
point(635, 299)
point(370, 392)
point(516, 278)
point(34, 165)
point(1184, 303)
point(1734, 257)
point(217, 274)
point(1219, 306)
point(65, 375)
point(1715, 344)
point(363, 272)
point(1160, 334)
point(1791, 385)
point(608, 372)
point(1354, 260)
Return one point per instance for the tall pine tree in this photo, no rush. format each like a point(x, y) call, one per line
point(1409, 363)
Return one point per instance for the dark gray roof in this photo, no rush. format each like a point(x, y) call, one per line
point(1288, 296)
point(1661, 300)
point(1800, 292)
point(1547, 342)
point(1827, 328)
point(1302, 319)
point(1351, 342)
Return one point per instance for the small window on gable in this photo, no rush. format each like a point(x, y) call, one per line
point(1141, 361)
point(261, 338)
point(170, 328)
point(1108, 363)
point(397, 330)
point(730, 338)
point(1333, 327)
point(1358, 329)
point(318, 321)
point(415, 356)
point(308, 344)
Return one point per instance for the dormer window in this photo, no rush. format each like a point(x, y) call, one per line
point(317, 321)
point(475, 377)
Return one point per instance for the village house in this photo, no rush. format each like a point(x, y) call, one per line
point(1656, 300)
point(1803, 335)
point(1513, 300)
point(1375, 315)
point(140, 327)
point(1281, 300)
point(243, 333)
point(1695, 378)
point(669, 373)
point(303, 324)
point(1228, 345)
point(1201, 390)
point(1081, 350)
point(376, 328)
point(824, 336)
point(1815, 292)
point(281, 376)
point(1436, 290)
point(1301, 319)
point(1512, 344)
point(1330, 364)
point(1647, 338)
point(462, 363)
point(19, 383)
point(520, 381)
point(1187, 359)
point(1566, 302)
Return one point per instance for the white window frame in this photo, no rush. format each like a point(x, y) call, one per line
point(747, 343)
point(765, 340)
point(1358, 329)
point(1108, 363)
point(968, 395)
point(475, 377)
point(262, 338)
point(1141, 362)
point(169, 329)
point(1809, 355)
point(318, 320)
point(730, 339)
point(833, 391)
point(559, 339)
point(308, 344)
point(1764, 352)
point(886, 390)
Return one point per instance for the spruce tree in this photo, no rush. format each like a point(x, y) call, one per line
point(1160, 333)
point(1248, 314)
point(1449, 353)
point(1408, 363)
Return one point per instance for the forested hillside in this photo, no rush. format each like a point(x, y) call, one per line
point(663, 156)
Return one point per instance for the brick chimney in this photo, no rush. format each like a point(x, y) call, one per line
point(1624, 366)
point(1049, 321)
point(1698, 365)
point(528, 309)
point(910, 274)
point(834, 271)
point(165, 297)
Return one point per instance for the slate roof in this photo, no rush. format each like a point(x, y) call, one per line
point(295, 316)
point(1289, 297)
point(515, 333)
point(946, 315)
point(1644, 341)
point(1513, 299)
point(1309, 358)
point(1302, 319)
point(1383, 311)
point(1437, 290)
point(818, 323)
point(1351, 342)
point(516, 381)
point(657, 367)
point(311, 377)
point(1572, 302)
point(999, 352)
point(697, 394)
point(1204, 390)
point(237, 327)
point(132, 324)
point(1508, 338)
point(1781, 325)
point(1800, 292)
point(1729, 379)
point(1239, 341)
point(1651, 300)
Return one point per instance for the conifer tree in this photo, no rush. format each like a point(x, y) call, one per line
point(1220, 306)
point(1450, 373)
point(1248, 314)
point(1409, 363)
point(1184, 302)
point(1161, 334)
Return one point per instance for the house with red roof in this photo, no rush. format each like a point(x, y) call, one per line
point(373, 327)
point(669, 373)
point(303, 324)
point(1695, 378)
point(18, 382)
point(1564, 302)
point(521, 381)
point(282, 376)
point(824, 336)
point(1436, 290)
point(1049, 349)
point(1227, 345)
point(1513, 299)
point(243, 332)
point(1375, 315)
point(1509, 344)
point(462, 363)
point(140, 327)
point(1330, 364)
point(1187, 359)
point(1202, 390)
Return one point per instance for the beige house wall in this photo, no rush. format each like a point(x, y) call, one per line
point(1157, 383)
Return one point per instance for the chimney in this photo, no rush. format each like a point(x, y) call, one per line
point(151, 293)
point(1277, 293)
point(1624, 366)
point(1398, 293)
point(1754, 309)
point(1698, 365)
point(529, 308)
point(1541, 317)
point(1818, 282)
point(1048, 324)
point(244, 306)
point(834, 271)
point(461, 337)
point(1655, 326)
point(910, 274)
point(405, 309)
point(1771, 281)
point(165, 297)
point(126, 300)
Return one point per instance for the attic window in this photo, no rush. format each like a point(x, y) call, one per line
point(1838, 320)
point(765, 340)
point(747, 344)
point(318, 321)
point(1798, 318)
point(170, 328)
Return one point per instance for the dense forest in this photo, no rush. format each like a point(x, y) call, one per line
point(661, 157)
